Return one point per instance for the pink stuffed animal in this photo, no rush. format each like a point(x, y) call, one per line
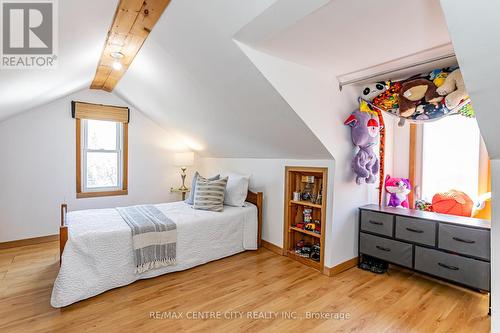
point(398, 188)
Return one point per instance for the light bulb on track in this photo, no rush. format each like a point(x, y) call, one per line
point(117, 56)
point(117, 65)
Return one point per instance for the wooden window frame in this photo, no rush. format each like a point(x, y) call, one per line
point(79, 160)
point(412, 172)
point(415, 164)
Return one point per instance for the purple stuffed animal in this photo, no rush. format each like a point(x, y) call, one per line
point(364, 133)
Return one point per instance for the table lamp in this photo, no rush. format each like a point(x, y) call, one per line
point(184, 160)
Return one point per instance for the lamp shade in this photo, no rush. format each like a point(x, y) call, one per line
point(184, 159)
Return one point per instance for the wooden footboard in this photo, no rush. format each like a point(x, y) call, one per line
point(253, 197)
point(63, 231)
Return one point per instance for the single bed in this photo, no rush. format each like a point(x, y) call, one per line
point(96, 245)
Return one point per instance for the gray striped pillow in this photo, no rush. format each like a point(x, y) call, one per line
point(209, 194)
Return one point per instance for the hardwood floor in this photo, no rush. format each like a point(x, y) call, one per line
point(241, 285)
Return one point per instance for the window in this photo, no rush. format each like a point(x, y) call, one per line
point(451, 157)
point(101, 151)
point(101, 155)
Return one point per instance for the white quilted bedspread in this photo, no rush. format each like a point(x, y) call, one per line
point(98, 255)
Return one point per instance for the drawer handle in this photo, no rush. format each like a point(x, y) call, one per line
point(383, 248)
point(376, 222)
point(464, 240)
point(453, 268)
point(415, 230)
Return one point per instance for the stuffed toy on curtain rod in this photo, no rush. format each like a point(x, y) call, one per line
point(421, 98)
point(418, 99)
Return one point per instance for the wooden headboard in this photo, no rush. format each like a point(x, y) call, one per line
point(252, 197)
point(256, 198)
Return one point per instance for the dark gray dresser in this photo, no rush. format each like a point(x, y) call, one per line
point(453, 248)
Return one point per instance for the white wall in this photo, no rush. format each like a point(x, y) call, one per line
point(401, 150)
point(37, 169)
point(476, 45)
point(336, 38)
point(21, 90)
point(190, 77)
point(268, 176)
point(316, 99)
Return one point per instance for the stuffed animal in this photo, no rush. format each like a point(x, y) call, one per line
point(438, 76)
point(373, 90)
point(388, 100)
point(454, 89)
point(423, 205)
point(364, 133)
point(415, 91)
point(452, 202)
point(482, 208)
point(398, 188)
point(467, 111)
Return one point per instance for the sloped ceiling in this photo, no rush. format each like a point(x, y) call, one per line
point(477, 47)
point(345, 35)
point(192, 78)
point(82, 30)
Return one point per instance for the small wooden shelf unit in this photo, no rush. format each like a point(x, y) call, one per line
point(294, 212)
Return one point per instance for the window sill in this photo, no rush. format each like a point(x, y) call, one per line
point(82, 195)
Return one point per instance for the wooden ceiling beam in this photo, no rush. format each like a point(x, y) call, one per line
point(132, 23)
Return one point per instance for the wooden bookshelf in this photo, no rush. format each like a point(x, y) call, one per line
point(294, 211)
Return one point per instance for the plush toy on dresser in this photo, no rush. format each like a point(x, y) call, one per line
point(398, 188)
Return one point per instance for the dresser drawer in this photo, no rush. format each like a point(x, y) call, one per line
point(470, 272)
point(386, 249)
point(377, 222)
point(473, 242)
point(415, 230)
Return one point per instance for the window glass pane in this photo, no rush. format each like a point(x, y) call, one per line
point(102, 170)
point(450, 156)
point(101, 134)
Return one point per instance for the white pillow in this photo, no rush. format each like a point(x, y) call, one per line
point(236, 189)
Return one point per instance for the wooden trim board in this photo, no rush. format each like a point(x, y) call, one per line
point(342, 267)
point(83, 195)
point(257, 199)
point(125, 159)
point(412, 172)
point(271, 247)
point(28, 241)
point(328, 271)
point(78, 155)
point(83, 110)
point(132, 23)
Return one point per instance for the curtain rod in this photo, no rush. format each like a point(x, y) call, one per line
point(372, 76)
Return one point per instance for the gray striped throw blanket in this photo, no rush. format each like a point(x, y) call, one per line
point(154, 236)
